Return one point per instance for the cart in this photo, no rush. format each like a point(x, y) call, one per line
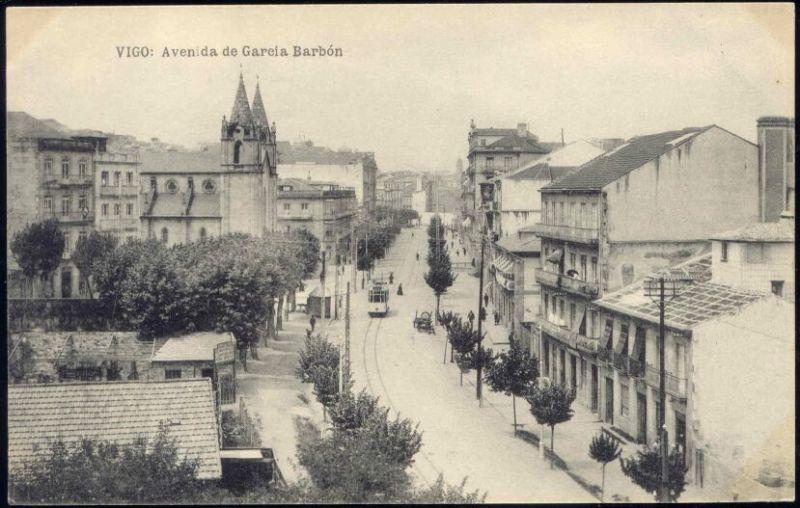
point(423, 322)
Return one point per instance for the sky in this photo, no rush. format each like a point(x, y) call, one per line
point(411, 77)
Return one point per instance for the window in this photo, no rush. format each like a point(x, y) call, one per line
point(573, 219)
point(48, 167)
point(129, 209)
point(304, 206)
point(287, 206)
point(172, 373)
point(777, 287)
point(82, 168)
point(117, 175)
point(66, 244)
point(202, 233)
point(723, 256)
point(594, 324)
point(164, 235)
point(66, 205)
point(209, 186)
point(82, 202)
point(129, 178)
point(48, 204)
point(104, 178)
point(572, 312)
point(209, 373)
point(65, 167)
point(623, 396)
point(583, 220)
point(594, 269)
point(622, 345)
point(237, 149)
point(104, 209)
point(583, 267)
point(561, 308)
point(508, 162)
point(572, 260)
point(561, 220)
point(172, 186)
point(489, 162)
point(756, 253)
point(116, 208)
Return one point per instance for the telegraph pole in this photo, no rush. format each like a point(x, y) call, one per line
point(336, 277)
point(347, 335)
point(480, 336)
point(353, 252)
point(322, 290)
point(662, 396)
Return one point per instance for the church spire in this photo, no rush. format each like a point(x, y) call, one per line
point(241, 113)
point(259, 113)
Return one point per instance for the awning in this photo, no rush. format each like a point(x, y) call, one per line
point(555, 256)
point(504, 264)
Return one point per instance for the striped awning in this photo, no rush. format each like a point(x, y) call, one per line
point(504, 264)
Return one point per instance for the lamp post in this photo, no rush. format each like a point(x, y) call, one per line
point(662, 289)
point(478, 384)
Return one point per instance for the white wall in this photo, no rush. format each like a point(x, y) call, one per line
point(350, 175)
point(736, 271)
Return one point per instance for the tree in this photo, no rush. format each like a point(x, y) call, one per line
point(440, 275)
point(513, 373)
point(239, 429)
point(644, 469)
point(604, 449)
point(38, 249)
point(110, 272)
point(89, 250)
point(20, 359)
point(353, 413)
point(317, 351)
point(309, 251)
point(550, 405)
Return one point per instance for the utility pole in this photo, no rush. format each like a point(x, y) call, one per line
point(336, 276)
point(662, 396)
point(347, 335)
point(478, 384)
point(322, 290)
point(353, 252)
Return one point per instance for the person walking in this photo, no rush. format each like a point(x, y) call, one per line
point(391, 277)
point(485, 299)
point(313, 322)
point(496, 318)
point(471, 317)
point(400, 290)
point(417, 256)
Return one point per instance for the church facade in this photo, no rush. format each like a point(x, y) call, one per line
point(192, 195)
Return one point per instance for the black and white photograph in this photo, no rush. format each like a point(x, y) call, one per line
point(400, 253)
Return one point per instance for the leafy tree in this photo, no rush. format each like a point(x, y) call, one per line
point(513, 373)
point(317, 352)
point(550, 405)
point(239, 429)
point(644, 469)
point(309, 251)
point(353, 413)
point(20, 359)
point(440, 275)
point(110, 272)
point(604, 449)
point(89, 250)
point(38, 249)
point(441, 493)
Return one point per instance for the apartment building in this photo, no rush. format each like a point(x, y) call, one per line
point(117, 194)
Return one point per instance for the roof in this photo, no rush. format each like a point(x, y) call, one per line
point(241, 113)
point(194, 347)
point(180, 162)
point(700, 301)
point(491, 131)
point(49, 347)
point(558, 163)
point(609, 167)
point(517, 245)
point(173, 205)
point(259, 113)
point(117, 412)
point(514, 141)
point(781, 231)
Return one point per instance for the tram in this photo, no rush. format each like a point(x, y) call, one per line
point(378, 296)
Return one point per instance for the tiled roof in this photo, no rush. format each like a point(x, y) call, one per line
point(636, 152)
point(49, 347)
point(181, 162)
point(195, 347)
point(515, 244)
point(700, 301)
point(515, 141)
point(491, 131)
point(117, 412)
point(781, 231)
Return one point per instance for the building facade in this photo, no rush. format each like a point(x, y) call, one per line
point(651, 203)
point(190, 195)
point(776, 158)
point(324, 209)
point(117, 194)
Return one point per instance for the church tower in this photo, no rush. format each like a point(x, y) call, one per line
point(270, 157)
point(247, 147)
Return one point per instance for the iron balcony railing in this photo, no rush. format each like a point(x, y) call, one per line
point(71, 216)
point(675, 385)
point(568, 233)
point(560, 280)
point(604, 355)
point(560, 333)
point(588, 345)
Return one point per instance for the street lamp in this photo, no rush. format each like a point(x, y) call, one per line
point(662, 289)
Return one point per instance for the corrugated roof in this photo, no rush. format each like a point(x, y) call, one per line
point(609, 167)
point(700, 301)
point(781, 231)
point(195, 347)
point(181, 162)
point(117, 412)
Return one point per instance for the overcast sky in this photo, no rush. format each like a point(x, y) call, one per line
point(412, 76)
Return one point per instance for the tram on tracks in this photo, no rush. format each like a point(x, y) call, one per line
point(378, 298)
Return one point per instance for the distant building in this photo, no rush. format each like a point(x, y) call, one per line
point(776, 163)
point(512, 270)
point(117, 194)
point(192, 195)
point(348, 168)
point(324, 209)
point(40, 415)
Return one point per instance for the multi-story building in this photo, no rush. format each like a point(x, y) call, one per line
point(651, 203)
point(442, 192)
point(305, 161)
point(776, 158)
point(324, 209)
point(729, 369)
point(515, 260)
point(117, 194)
point(191, 195)
point(396, 190)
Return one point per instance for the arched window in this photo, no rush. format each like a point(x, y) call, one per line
point(202, 233)
point(164, 235)
point(237, 148)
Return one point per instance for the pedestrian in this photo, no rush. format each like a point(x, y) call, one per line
point(485, 299)
point(400, 290)
point(313, 322)
point(417, 256)
point(471, 317)
point(308, 332)
point(496, 318)
point(391, 278)
point(482, 313)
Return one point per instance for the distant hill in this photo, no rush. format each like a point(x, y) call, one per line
point(21, 125)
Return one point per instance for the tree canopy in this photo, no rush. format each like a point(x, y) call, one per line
point(90, 250)
point(38, 248)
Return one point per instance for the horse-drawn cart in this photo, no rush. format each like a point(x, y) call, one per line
point(423, 322)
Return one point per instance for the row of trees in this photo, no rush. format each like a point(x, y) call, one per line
point(440, 275)
point(396, 216)
point(374, 239)
point(365, 455)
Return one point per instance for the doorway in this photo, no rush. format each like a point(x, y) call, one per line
point(66, 284)
point(680, 433)
point(641, 416)
point(563, 366)
point(595, 389)
point(609, 401)
point(573, 363)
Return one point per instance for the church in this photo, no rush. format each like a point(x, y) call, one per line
point(192, 195)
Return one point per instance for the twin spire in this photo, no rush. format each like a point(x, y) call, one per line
point(242, 114)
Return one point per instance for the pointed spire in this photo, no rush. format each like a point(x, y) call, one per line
point(241, 107)
point(259, 113)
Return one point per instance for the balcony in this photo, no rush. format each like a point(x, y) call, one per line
point(604, 355)
point(587, 345)
point(300, 215)
point(620, 363)
point(572, 285)
point(119, 190)
point(676, 386)
point(567, 233)
point(71, 217)
point(53, 182)
point(560, 333)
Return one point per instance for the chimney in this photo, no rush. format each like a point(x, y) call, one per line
point(775, 171)
point(522, 130)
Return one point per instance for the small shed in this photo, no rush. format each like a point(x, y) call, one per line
point(314, 299)
point(246, 467)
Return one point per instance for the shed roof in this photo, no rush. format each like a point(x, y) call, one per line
point(636, 152)
point(118, 412)
point(194, 347)
point(700, 301)
point(781, 231)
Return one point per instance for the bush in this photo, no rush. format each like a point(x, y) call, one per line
point(240, 430)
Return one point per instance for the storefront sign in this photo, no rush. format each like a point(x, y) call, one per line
point(224, 353)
